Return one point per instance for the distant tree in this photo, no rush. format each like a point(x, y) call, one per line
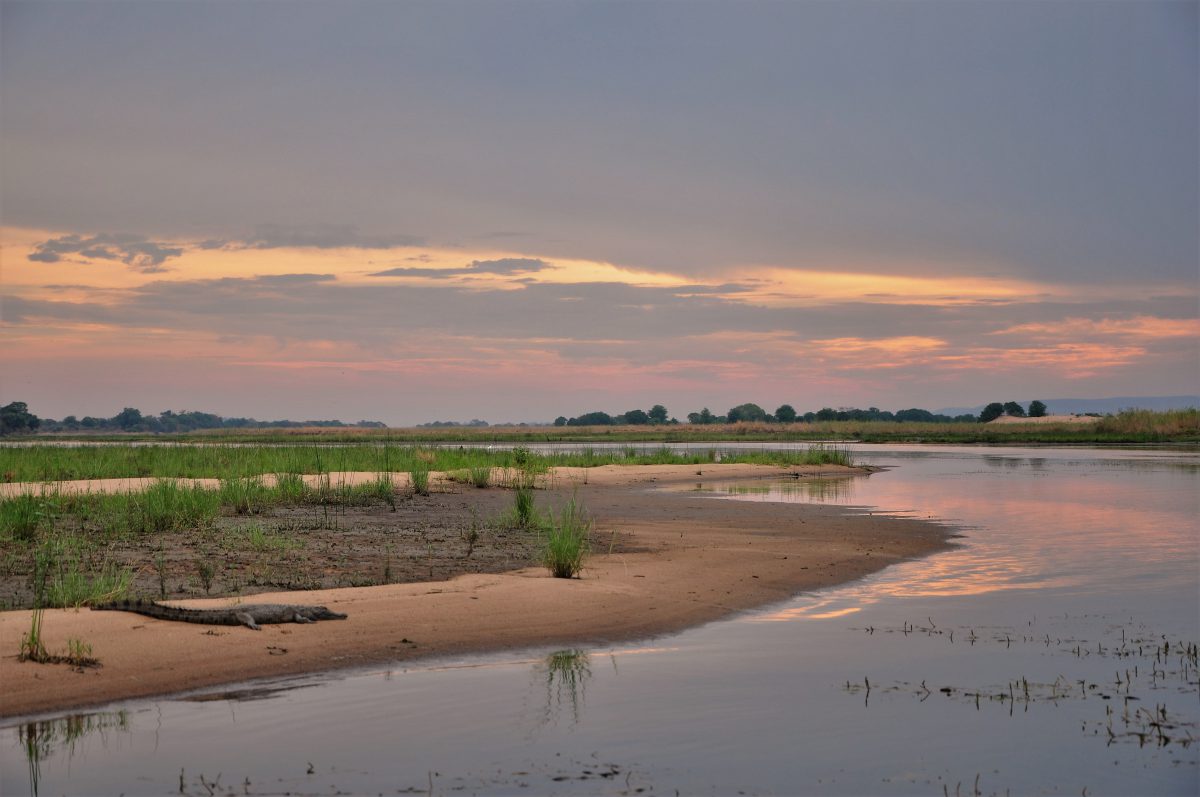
point(786, 414)
point(637, 418)
point(991, 412)
point(592, 419)
point(1037, 409)
point(965, 418)
point(658, 414)
point(915, 415)
point(826, 414)
point(15, 418)
point(747, 412)
point(1014, 409)
point(127, 418)
point(703, 417)
point(561, 420)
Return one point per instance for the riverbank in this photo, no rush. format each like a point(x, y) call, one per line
point(678, 559)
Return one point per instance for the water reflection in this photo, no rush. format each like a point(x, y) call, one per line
point(1078, 530)
point(827, 490)
point(43, 739)
point(565, 675)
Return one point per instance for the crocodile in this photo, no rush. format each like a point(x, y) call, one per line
point(249, 615)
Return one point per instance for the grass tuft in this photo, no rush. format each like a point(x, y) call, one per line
point(481, 476)
point(565, 542)
point(22, 515)
point(420, 481)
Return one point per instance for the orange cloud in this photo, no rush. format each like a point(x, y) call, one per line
point(1073, 360)
point(1136, 327)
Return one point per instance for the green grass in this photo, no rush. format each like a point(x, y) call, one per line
point(382, 488)
point(67, 574)
point(166, 506)
point(242, 467)
point(247, 495)
point(258, 539)
point(565, 540)
point(33, 648)
point(481, 475)
point(22, 516)
point(420, 481)
point(524, 512)
point(290, 488)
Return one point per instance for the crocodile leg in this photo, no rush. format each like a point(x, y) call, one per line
point(247, 620)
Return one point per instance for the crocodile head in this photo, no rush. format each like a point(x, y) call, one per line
point(321, 613)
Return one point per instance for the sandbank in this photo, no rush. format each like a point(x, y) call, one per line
point(688, 558)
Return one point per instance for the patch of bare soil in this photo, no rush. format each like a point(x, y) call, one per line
point(451, 532)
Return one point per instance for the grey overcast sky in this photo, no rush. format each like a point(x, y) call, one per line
point(525, 209)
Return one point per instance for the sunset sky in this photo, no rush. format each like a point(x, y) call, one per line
point(513, 210)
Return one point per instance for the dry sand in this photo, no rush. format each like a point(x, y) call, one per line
point(694, 558)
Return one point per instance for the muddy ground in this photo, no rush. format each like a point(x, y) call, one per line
point(453, 530)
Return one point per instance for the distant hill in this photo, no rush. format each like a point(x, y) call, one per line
point(1071, 406)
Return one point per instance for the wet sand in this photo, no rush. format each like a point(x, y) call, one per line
point(688, 558)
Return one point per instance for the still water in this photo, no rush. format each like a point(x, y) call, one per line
point(1053, 652)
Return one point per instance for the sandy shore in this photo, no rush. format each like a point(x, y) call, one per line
point(690, 558)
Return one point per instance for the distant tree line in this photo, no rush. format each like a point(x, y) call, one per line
point(15, 418)
point(753, 413)
point(443, 424)
point(656, 416)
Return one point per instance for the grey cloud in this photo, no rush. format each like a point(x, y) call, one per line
point(509, 265)
point(958, 135)
point(310, 236)
point(504, 267)
point(602, 318)
point(132, 250)
point(323, 236)
point(311, 306)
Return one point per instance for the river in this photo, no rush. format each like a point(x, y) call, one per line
point(1051, 652)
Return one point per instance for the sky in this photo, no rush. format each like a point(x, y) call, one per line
point(448, 210)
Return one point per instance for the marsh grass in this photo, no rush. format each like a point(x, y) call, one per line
point(164, 506)
point(33, 648)
point(1171, 424)
point(481, 476)
point(247, 495)
point(524, 511)
point(420, 481)
point(565, 540)
point(290, 488)
point(44, 463)
point(71, 576)
point(382, 488)
point(22, 516)
point(259, 539)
